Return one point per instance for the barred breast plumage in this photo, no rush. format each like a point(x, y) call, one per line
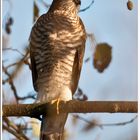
point(57, 44)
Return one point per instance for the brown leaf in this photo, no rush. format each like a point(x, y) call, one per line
point(8, 29)
point(36, 12)
point(102, 56)
point(10, 21)
point(90, 126)
point(8, 25)
point(130, 5)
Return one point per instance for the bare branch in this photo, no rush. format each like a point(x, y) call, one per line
point(105, 124)
point(11, 83)
point(11, 76)
point(83, 10)
point(29, 96)
point(17, 135)
point(15, 50)
point(11, 65)
point(10, 124)
point(35, 110)
point(14, 129)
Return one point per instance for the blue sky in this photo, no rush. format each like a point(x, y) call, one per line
point(111, 22)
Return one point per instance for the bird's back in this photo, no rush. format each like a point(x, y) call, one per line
point(57, 45)
point(54, 42)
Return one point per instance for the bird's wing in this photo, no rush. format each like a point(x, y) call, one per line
point(78, 61)
point(76, 70)
point(35, 43)
point(33, 67)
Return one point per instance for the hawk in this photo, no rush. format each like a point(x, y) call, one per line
point(57, 45)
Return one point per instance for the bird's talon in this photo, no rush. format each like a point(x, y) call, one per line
point(57, 105)
point(58, 101)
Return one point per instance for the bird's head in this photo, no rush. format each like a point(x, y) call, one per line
point(77, 4)
point(67, 5)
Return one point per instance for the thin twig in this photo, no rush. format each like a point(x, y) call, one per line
point(11, 83)
point(11, 65)
point(15, 50)
point(32, 96)
point(83, 10)
point(17, 135)
point(105, 124)
point(9, 123)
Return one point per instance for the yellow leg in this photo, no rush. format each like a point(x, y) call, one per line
point(58, 101)
point(57, 104)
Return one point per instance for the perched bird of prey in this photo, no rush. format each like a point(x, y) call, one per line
point(57, 45)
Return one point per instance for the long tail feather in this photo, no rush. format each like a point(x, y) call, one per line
point(52, 127)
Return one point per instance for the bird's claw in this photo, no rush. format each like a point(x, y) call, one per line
point(57, 104)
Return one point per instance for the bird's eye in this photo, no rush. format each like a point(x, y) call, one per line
point(77, 2)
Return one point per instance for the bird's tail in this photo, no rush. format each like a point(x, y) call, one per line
point(52, 127)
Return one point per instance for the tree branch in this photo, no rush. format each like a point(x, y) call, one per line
point(101, 125)
point(34, 110)
point(20, 136)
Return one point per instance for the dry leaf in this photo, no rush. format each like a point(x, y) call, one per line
point(10, 21)
point(102, 56)
point(90, 126)
point(36, 12)
point(8, 25)
point(130, 5)
point(8, 29)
